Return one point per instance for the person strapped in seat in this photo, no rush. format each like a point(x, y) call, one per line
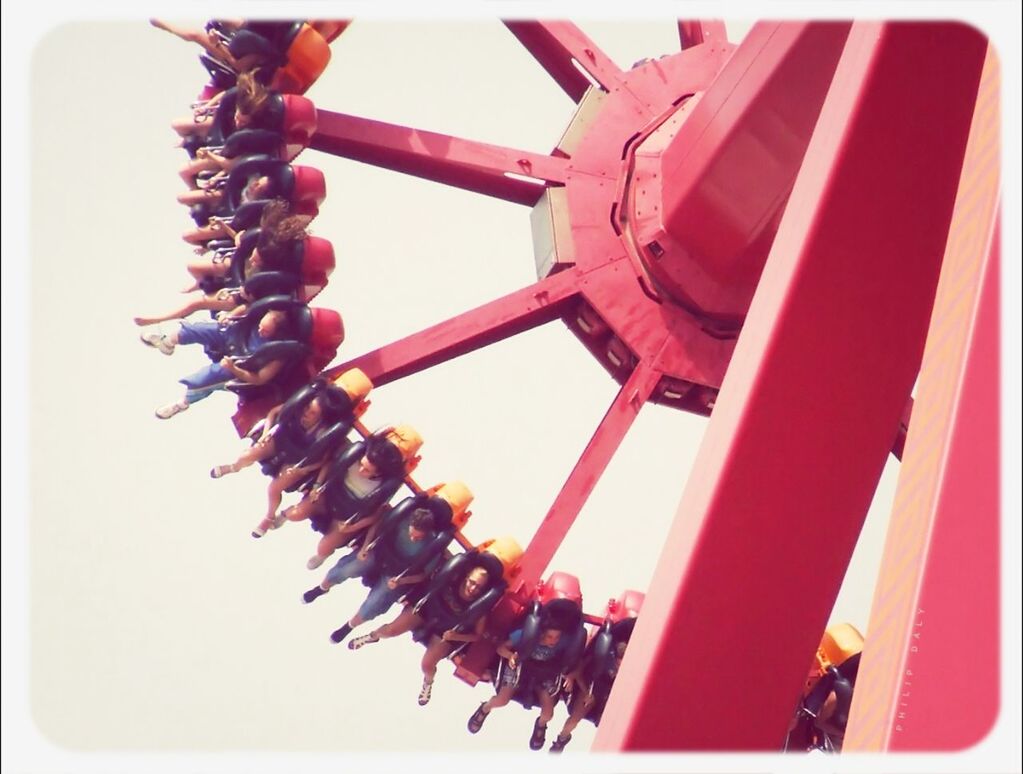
point(253, 349)
point(398, 552)
point(820, 720)
point(300, 435)
point(453, 610)
point(535, 658)
point(354, 487)
point(587, 688)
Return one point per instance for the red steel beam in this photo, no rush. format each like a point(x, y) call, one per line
point(933, 632)
point(727, 173)
point(798, 439)
point(951, 646)
point(474, 166)
point(692, 32)
point(937, 647)
point(562, 514)
point(587, 472)
point(556, 44)
point(520, 311)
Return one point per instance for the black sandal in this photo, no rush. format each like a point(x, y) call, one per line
point(539, 736)
point(559, 744)
point(476, 721)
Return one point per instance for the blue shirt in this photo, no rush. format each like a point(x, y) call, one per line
point(540, 652)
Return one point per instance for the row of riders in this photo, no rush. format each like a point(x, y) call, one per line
point(256, 268)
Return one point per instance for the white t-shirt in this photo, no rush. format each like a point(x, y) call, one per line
point(359, 485)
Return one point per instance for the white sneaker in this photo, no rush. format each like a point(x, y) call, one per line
point(166, 412)
point(359, 642)
point(278, 521)
point(315, 562)
point(157, 341)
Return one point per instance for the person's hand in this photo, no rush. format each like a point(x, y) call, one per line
point(513, 660)
point(392, 583)
point(449, 635)
point(227, 363)
point(223, 317)
point(363, 555)
point(568, 684)
point(314, 495)
point(202, 153)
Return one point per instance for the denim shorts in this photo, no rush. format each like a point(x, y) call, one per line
point(380, 599)
point(350, 566)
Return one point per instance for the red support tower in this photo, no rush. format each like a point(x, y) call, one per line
point(777, 210)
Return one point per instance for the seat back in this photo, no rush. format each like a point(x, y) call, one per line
point(330, 29)
point(306, 59)
point(626, 606)
point(309, 185)
point(507, 551)
point(458, 497)
point(327, 331)
point(298, 124)
point(318, 263)
point(560, 585)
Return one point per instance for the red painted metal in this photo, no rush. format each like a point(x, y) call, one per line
point(517, 312)
point(708, 196)
point(562, 514)
point(950, 652)
point(673, 185)
point(932, 635)
point(600, 195)
point(787, 469)
point(963, 619)
point(556, 45)
point(474, 166)
point(693, 33)
point(587, 471)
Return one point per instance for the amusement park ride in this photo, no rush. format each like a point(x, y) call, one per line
point(787, 236)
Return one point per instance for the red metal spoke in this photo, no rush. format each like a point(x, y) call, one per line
point(555, 45)
point(694, 32)
point(494, 321)
point(586, 473)
point(776, 499)
point(474, 166)
point(563, 511)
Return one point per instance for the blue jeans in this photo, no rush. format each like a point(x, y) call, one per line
point(379, 600)
point(210, 334)
point(350, 566)
point(380, 597)
point(213, 377)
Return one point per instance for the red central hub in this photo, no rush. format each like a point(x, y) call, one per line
point(676, 181)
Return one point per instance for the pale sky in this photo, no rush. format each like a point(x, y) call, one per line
point(157, 623)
